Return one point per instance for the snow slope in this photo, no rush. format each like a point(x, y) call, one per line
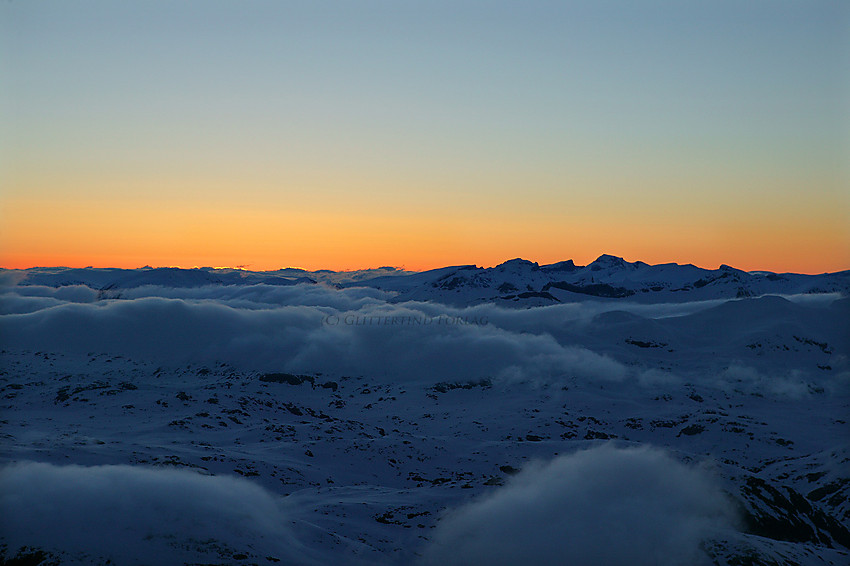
point(220, 418)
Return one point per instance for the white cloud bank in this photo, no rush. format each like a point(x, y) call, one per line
point(317, 328)
point(138, 515)
point(386, 342)
point(612, 506)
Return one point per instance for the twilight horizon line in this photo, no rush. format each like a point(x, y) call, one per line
point(396, 268)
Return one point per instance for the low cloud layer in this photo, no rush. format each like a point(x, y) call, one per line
point(612, 506)
point(309, 328)
point(137, 515)
point(265, 296)
point(792, 384)
point(350, 334)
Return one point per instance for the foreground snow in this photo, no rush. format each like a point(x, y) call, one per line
point(263, 424)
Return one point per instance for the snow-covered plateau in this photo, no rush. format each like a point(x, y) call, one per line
point(615, 413)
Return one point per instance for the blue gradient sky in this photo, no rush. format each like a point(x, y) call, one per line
point(347, 134)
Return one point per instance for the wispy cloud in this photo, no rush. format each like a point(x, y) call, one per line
point(629, 506)
point(138, 515)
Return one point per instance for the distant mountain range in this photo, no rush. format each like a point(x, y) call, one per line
point(517, 282)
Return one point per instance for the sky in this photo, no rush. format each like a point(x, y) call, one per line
point(345, 135)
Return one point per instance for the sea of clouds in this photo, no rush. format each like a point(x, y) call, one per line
point(309, 328)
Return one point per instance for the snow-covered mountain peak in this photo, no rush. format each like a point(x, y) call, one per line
point(606, 261)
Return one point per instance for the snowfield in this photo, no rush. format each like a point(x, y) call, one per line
point(615, 413)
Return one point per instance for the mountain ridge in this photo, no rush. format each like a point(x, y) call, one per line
point(517, 281)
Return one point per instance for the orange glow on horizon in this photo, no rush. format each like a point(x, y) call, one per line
point(139, 234)
point(9, 261)
point(778, 263)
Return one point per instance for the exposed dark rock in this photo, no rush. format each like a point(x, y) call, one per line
point(691, 430)
point(444, 386)
point(594, 289)
point(288, 378)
